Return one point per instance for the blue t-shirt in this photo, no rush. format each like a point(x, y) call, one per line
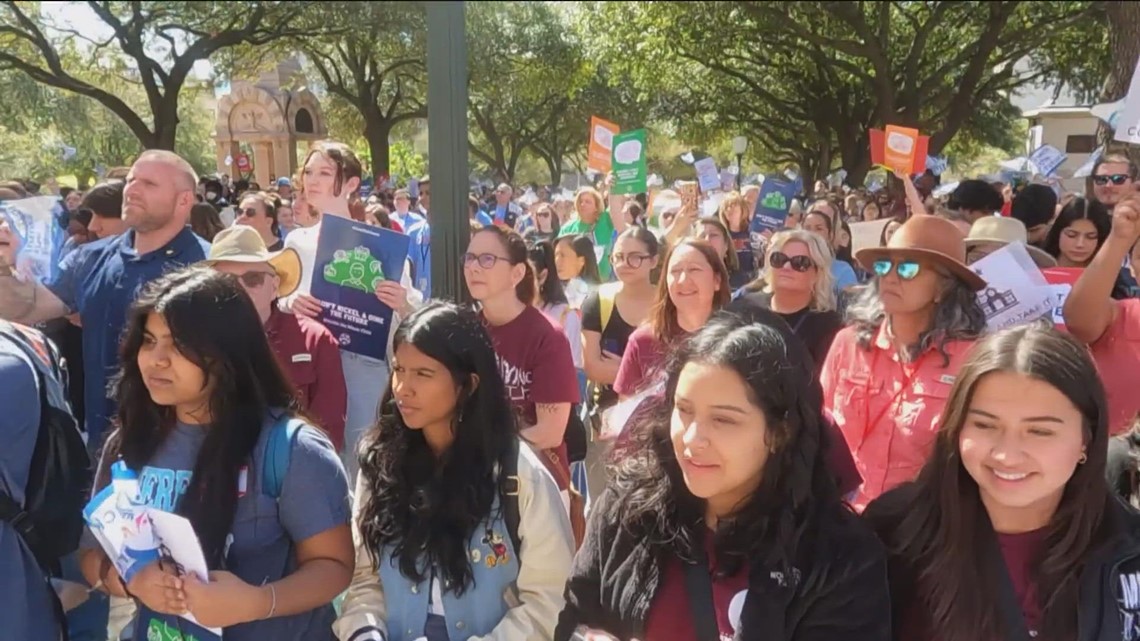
point(419, 249)
point(844, 275)
point(25, 609)
point(100, 280)
point(314, 498)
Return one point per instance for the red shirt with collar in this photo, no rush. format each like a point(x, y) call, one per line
point(310, 356)
point(889, 411)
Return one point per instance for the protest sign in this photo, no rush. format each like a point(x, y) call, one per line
point(1046, 159)
point(352, 259)
point(629, 166)
point(1061, 281)
point(728, 178)
point(866, 234)
point(1016, 291)
point(599, 156)
point(40, 237)
point(900, 149)
point(1085, 170)
point(772, 204)
point(1128, 125)
point(707, 176)
point(937, 165)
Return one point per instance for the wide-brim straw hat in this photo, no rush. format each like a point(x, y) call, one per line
point(1003, 231)
point(928, 238)
point(243, 244)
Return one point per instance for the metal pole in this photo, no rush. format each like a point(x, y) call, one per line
point(739, 170)
point(447, 146)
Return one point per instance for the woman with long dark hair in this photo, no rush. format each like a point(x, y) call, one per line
point(728, 499)
point(202, 404)
point(888, 373)
point(1078, 232)
point(1009, 531)
point(443, 480)
point(577, 267)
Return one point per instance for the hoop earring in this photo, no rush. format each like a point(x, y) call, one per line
point(1084, 458)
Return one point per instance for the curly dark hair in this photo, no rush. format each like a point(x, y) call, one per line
point(423, 509)
point(795, 487)
point(214, 325)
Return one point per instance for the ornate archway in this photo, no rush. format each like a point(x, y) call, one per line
point(270, 117)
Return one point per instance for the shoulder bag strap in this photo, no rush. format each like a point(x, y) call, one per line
point(698, 586)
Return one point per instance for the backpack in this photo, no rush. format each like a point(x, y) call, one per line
point(510, 504)
point(51, 519)
point(278, 450)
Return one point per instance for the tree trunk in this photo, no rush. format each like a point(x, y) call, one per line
point(555, 167)
point(166, 123)
point(376, 132)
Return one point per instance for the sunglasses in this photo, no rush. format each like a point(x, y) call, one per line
point(255, 279)
point(906, 269)
point(1116, 179)
point(798, 263)
point(632, 260)
point(486, 261)
point(249, 212)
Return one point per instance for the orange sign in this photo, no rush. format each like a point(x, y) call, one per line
point(600, 154)
point(900, 149)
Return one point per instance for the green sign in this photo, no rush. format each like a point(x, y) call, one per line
point(629, 152)
point(357, 269)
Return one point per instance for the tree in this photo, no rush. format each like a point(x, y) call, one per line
point(377, 67)
point(524, 67)
point(50, 132)
point(808, 79)
point(151, 44)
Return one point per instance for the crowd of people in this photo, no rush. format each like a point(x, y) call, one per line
point(652, 421)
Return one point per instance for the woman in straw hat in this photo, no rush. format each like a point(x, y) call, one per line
point(990, 233)
point(888, 374)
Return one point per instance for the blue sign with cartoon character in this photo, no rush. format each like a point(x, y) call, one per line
point(352, 259)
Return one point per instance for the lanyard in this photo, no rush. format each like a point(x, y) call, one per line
point(908, 380)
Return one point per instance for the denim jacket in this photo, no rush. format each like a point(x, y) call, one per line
point(507, 602)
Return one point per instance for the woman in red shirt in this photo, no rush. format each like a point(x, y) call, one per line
point(727, 524)
point(694, 285)
point(888, 374)
point(1010, 531)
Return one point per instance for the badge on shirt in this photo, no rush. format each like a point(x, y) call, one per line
point(243, 481)
point(302, 358)
point(947, 379)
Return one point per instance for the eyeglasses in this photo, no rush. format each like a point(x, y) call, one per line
point(249, 212)
point(632, 260)
point(486, 261)
point(906, 269)
point(255, 278)
point(798, 263)
point(1116, 179)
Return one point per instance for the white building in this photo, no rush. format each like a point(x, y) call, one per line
point(1071, 129)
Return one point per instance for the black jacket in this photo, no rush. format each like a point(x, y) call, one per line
point(1109, 601)
point(841, 591)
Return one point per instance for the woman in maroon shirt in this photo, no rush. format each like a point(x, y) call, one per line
point(694, 285)
point(533, 353)
point(1010, 531)
point(728, 525)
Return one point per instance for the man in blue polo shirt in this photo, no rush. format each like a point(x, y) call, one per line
point(100, 280)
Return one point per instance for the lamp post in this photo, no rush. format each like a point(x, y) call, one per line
point(739, 146)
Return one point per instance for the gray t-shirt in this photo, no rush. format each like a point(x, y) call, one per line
point(314, 498)
point(25, 606)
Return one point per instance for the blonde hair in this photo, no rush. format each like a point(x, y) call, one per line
point(734, 199)
point(823, 293)
point(599, 203)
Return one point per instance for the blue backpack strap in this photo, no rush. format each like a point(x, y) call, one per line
point(278, 449)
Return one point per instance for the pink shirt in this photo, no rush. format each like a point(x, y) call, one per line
point(1117, 356)
point(889, 411)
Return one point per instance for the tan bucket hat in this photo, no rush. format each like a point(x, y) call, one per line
point(1002, 230)
point(926, 237)
point(242, 244)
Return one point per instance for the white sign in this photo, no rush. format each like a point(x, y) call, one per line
point(1047, 159)
point(1016, 291)
point(1128, 128)
point(1085, 170)
point(707, 175)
